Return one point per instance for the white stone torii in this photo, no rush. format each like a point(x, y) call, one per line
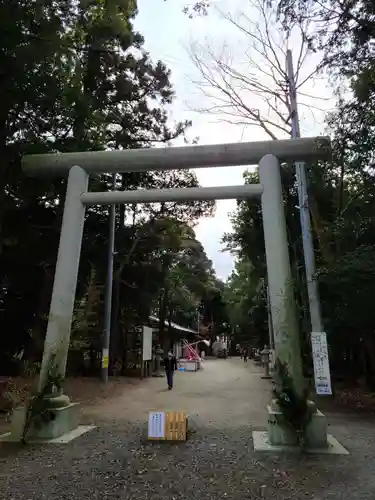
point(78, 166)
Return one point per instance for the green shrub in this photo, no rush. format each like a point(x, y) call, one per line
point(294, 407)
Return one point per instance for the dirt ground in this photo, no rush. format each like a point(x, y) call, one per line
point(225, 402)
point(215, 396)
point(87, 390)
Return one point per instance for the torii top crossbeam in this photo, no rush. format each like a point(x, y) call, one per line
point(170, 158)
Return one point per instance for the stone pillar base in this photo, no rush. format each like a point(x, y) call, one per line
point(66, 419)
point(280, 434)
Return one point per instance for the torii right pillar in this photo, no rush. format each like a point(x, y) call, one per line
point(279, 435)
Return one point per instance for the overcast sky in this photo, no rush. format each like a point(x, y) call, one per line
point(168, 33)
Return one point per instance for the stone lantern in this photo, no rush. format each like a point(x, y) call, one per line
point(158, 353)
point(265, 358)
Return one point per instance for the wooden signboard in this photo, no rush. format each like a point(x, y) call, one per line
point(167, 426)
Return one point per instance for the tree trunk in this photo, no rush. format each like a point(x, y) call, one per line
point(5, 160)
point(115, 340)
point(35, 351)
point(118, 344)
point(163, 302)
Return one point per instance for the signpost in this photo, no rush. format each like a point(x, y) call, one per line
point(167, 426)
point(147, 344)
point(321, 364)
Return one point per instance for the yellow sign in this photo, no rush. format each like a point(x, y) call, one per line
point(105, 358)
point(105, 362)
point(167, 426)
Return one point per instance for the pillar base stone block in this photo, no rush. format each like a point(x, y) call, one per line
point(280, 434)
point(280, 437)
point(66, 420)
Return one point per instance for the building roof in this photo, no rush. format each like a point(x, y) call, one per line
point(175, 326)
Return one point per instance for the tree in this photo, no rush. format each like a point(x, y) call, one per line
point(199, 8)
point(77, 79)
point(344, 285)
point(240, 295)
point(250, 88)
point(344, 191)
point(196, 8)
point(342, 204)
point(185, 271)
point(342, 29)
point(214, 311)
point(246, 243)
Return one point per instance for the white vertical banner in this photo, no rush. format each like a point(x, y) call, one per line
point(146, 343)
point(322, 373)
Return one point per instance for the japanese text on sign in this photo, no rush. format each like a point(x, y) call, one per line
point(156, 424)
point(321, 363)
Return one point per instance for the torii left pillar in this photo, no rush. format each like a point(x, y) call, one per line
point(56, 345)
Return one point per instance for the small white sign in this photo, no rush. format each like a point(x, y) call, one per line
point(322, 373)
point(147, 344)
point(156, 424)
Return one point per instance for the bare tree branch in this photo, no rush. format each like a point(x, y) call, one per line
point(253, 91)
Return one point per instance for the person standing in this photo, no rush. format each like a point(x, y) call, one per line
point(245, 354)
point(170, 365)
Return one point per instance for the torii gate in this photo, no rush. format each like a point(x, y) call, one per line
point(78, 166)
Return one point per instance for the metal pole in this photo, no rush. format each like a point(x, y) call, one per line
point(56, 344)
point(270, 328)
point(307, 239)
point(108, 289)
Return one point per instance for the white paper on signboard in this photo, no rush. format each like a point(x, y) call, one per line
point(322, 373)
point(147, 343)
point(156, 424)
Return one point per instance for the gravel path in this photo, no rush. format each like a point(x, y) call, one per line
point(225, 402)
